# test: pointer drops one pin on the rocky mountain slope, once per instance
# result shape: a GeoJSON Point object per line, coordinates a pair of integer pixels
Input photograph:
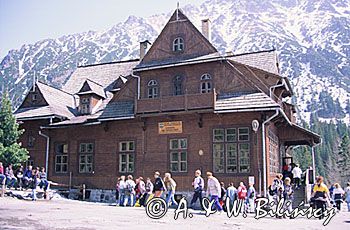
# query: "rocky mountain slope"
{"type": "Point", "coordinates": [312, 38]}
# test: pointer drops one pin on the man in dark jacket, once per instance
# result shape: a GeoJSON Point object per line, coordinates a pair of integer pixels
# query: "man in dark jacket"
{"type": "Point", "coordinates": [159, 186]}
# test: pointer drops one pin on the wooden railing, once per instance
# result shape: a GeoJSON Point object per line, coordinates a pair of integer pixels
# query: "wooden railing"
{"type": "Point", "coordinates": [177, 103]}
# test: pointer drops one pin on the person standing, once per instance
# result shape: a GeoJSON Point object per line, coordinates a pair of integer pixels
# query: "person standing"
{"type": "Point", "coordinates": [117, 191]}
{"type": "Point", "coordinates": [2, 175]}
{"type": "Point", "coordinates": [338, 194]}
{"type": "Point", "coordinates": [231, 193]}
{"type": "Point", "coordinates": [149, 190]}
{"type": "Point", "coordinates": [214, 190]}
{"type": "Point", "coordinates": [223, 194]}
{"type": "Point", "coordinates": [142, 191]}
{"type": "Point", "coordinates": [288, 195]}
{"type": "Point", "coordinates": [198, 185]}
{"type": "Point", "coordinates": [129, 191]}
{"type": "Point", "coordinates": [171, 186]}
{"type": "Point", "coordinates": [320, 194]}
{"type": "Point", "coordinates": [277, 188]}
{"type": "Point", "coordinates": [159, 185]}
{"type": "Point", "coordinates": [296, 176]}
{"type": "Point", "coordinates": [347, 196]}
{"type": "Point", "coordinates": [33, 183]}
{"type": "Point", "coordinates": [242, 195]}
{"type": "Point", "coordinates": [251, 195]}
{"type": "Point", "coordinates": [122, 188]}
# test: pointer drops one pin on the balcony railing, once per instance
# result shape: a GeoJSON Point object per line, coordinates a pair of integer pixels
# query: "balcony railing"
{"type": "Point", "coordinates": [177, 103]}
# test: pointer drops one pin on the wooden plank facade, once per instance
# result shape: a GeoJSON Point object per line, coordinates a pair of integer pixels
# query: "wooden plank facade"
{"type": "Point", "coordinates": [204, 103]}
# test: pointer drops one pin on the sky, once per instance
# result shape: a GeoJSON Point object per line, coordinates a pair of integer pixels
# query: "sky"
{"type": "Point", "coordinates": [28, 21]}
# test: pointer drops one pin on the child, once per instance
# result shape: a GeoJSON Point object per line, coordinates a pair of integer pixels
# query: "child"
{"type": "Point", "coordinates": [288, 194]}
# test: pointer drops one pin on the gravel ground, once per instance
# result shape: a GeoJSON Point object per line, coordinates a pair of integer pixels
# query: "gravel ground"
{"type": "Point", "coordinates": [68, 214]}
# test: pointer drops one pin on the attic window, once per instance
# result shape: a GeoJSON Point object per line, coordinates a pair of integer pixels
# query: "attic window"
{"type": "Point", "coordinates": [34, 97]}
{"type": "Point", "coordinates": [85, 105]}
{"type": "Point", "coordinates": [178, 44]}
{"type": "Point", "coordinates": [153, 89]}
{"type": "Point", "coordinates": [206, 83]}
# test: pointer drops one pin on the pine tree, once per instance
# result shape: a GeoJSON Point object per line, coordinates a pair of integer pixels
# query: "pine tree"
{"type": "Point", "coordinates": [10, 151]}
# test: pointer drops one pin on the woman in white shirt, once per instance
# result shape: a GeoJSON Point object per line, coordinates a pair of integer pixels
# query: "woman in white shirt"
{"type": "Point", "coordinates": [338, 194]}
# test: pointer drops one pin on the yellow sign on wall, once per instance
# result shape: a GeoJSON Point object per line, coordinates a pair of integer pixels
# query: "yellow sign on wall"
{"type": "Point", "coordinates": [170, 127]}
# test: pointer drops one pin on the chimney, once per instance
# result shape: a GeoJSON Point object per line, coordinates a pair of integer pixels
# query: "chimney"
{"type": "Point", "coordinates": [206, 29]}
{"type": "Point", "coordinates": [143, 48]}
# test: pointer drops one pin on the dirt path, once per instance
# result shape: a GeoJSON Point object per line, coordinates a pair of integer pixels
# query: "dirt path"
{"type": "Point", "coordinates": [67, 214]}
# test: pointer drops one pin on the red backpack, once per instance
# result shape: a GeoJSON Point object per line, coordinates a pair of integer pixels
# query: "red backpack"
{"type": "Point", "coordinates": [242, 194]}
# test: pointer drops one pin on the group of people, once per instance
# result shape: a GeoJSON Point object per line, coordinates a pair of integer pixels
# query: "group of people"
{"type": "Point", "coordinates": [321, 196]}
{"type": "Point", "coordinates": [130, 192]}
{"type": "Point", "coordinates": [138, 192]}
{"type": "Point", "coordinates": [294, 173]}
{"type": "Point", "coordinates": [21, 179]}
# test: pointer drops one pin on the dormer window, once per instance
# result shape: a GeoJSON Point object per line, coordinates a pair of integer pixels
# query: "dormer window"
{"type": "Point", "coordinates": [206, 83]}
{"type": "Point", "coordinates": [34, 98]}
{"type": "Point", "coordinates": [178, 44]}
{"type": "Point", "coordinates": [85, 105]}
{"type": "Point", "coordinates": [178, 85]}
{"type": "Point", "coordinates": [153, 89]}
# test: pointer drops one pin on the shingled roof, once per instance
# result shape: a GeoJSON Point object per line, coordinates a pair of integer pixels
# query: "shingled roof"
{"type": "Point", "coordinates": [60, 103]}
{"type": "Point", "coordinates": [103, 74]}
{"type": "Point", "coordinates": [244, 101]}
{"type": "Point", "coordinates": [92, 87]}
{"type": "Point", "coordinates": [264, 60]}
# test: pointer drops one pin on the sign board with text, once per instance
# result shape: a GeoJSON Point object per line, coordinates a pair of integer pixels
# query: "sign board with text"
{"type": "Point", "coordinates": [170, 127]}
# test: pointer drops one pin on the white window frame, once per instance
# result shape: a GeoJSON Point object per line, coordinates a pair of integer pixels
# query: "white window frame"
{"type": "Point", "coordinates": [180, 148]}
{"type": "Point", "coordinates": [59, 158]}
{"type": "Point", "coordinates": [178, 44]}
{"type": "Point", "coordinates": [86, 150]}
{"type": "Point", "coordinates": [129, 153]}
{"type": "Point", "coordinates": [153, 89]}
{"type": "Point", "coordinates": [221, 156]}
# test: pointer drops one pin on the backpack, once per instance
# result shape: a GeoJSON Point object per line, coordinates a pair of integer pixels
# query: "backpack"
{"type": "Point", "coordinates": [252, 195]}
{"type": "Point", "coordinates": [242, 194]}
{"type": "Point", "coordinates": [272, 191]}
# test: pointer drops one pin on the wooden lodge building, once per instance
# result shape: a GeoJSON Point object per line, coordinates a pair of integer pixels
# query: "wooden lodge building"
{"type": "Point", "coordinates": [182, 106]}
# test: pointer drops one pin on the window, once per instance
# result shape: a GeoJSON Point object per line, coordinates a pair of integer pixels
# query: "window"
{"type": "Point", "coordinates": [86, 151]}
{"type": "Point", "coordinates": [85, 105]}
{"type": "Point", "coordinates": [178, 155]}
{"type": "Point", "coordinates": [206, 83]}
{"type": "Point", "coordinates": [61, 158]}
{"type": "Point", "coordinates": [34, 98]}
{"type": "Point", "coordinates": [31, 140]}
{"type": "Point", "coordinates": [273, 153]}
{"type": "Point", "coordinates": [178, 44]}
{"type": "Point", "coordinates": [153, 89]}
{"type": "Point", "coordinates": [178, 85]}
{"type": "Point", "coordinates": [126, 156]}
{"type": "Point", "coordinates": [231, 151]}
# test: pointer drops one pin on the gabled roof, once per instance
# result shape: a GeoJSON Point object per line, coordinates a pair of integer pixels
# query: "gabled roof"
{"type": "Point", "coordinates": [178, 26]}
{"type": "Point", "coordinates": [103, 74]}
{"type": "Point", "coordinates": [60, 103]}
{"type": "Point", "coordinates": [244, 101]}
{"type": "Point", "coordinates": [92, 87]}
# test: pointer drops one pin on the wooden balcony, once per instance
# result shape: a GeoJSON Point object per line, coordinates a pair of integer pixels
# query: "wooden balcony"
{"type": "Point", "coordinates": [176, 103]}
